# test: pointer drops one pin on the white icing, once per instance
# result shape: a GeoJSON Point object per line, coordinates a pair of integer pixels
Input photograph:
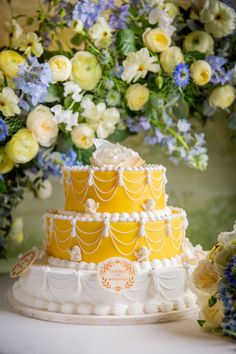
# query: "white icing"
{"type": "Point", "coordinates": [61, 293]}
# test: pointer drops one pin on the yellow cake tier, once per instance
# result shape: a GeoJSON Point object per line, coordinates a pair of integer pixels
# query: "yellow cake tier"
{"type": "Point", "coordinates": [102, 236]}
{"type": "Point", "coordinates": [115, 190]}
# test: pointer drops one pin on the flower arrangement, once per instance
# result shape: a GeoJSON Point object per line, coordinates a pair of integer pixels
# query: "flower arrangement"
{"type": "Point", "coordinates": [108, 69]}
{"type": "Point", "coordinates": [215, 281]}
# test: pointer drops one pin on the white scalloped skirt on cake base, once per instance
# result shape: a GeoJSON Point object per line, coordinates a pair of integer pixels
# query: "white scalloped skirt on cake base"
{"type": "Point", "coordinates": [161, 293]}
{"type": "Point", "coordinates": [109, 320]}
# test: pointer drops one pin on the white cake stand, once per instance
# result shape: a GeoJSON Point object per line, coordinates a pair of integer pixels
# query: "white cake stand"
{"type": "Point", "coordinates": [22, 309]}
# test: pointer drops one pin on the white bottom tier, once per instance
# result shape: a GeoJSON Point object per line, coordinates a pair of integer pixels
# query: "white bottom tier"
{"type": "Point", "coordinates": [61, 290]}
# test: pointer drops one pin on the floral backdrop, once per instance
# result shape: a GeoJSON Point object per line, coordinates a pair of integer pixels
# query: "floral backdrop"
{"type": "Point", "coordinates": [157, 68]}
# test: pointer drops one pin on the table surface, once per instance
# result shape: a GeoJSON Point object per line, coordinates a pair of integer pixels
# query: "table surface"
{"type": "Point", "coordinates": [22, 335]}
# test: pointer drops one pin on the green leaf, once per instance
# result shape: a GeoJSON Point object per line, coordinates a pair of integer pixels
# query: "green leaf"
{"type": "Point", "coordinates": [119, 135]}
{"type": "Point", "coordinates": [55, 90]}
{"type": "Point", "coordinates": [212, 301]}
{"type": "Point", "coordinates": [230, 332]}
{"type": "Point", "coordinates": [84, 155]}
{"type": "Point", "coordinates": [30, 20]}
{"type": "Point", "coordinates": [125, 41]}
{"type": "Point", "coordinates": [68, 101]}
{"type": "Point", "coordinates": [3, 187]}
{"type": "Point", "coordinates": [78, 39]}
{"type": "Point", "coordinates": [195, 55]}
{"type": "Point", "coordinates": [201, 322]}
{"type": "Point", "coordinates": [64, 143]}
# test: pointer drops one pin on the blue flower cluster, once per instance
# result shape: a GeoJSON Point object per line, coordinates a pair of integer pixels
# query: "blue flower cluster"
{"type": "Point", "coordinates": [3, 130]}
{"type": "Point", "coordinates": [33, 80]}
{"type": "Point", "coordinates": [219, 74]}
{"type": "Point", "coordinates": [138, 125]}
{"type": "Point", "coordinates": [229, 321]}
{"type": "Point", "coordinates": [88, 11]}
{"type": "Point", "coordinates": [118, 18]}
{"type": "Point", "coordinates": [230, 273]}
{"type": "Point", "coordinates": [52, 162]}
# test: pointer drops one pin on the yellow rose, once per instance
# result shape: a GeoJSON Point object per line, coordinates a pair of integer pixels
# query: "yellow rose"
{"type": "Point", "coordinates": [6, 165]}
{"type": "Point", "coordinates": [82, 136]}
{"type": "Point", "coordinates": [137, 95]}
{"type": "Point", "coordinates": [22, 147]}
{"type": "Point", "coordinates": [9, 62]}
{"type": "Point", "coordinates": [213, 315]}
{"type": "Point", "coordinates": [199, 41]}
{"type": "Point", "coordinates": [42, 124]}
{"type": "Point", "coordinates": [200, 72]}
{"type": "Point", "coordinates": [86, 71]}
{"type": "Point", "coordinates": [156, 40]}
{"type": "Point", "coordinates": [205, 277]}
{"type": "Point", "coordinates": [61, 68]}
{"type": "Point", "coordinates": [170, 58]}
{"type": "Point", "coordinates": [222, 97]}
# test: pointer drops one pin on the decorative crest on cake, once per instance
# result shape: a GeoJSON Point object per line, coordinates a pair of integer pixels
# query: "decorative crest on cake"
{"type": "Point", "coordinates": [90, 206]}
{"type": "Point", "coordinates": [24, 261]}
{"type": "Point", "coordinates": [149, 205]}
{"type": "Point", "coordinates": [142, 254]}
{"type": "Point", "coordinates": [75, 254]}
{"type": "Point", "coordinates": [116, 155]}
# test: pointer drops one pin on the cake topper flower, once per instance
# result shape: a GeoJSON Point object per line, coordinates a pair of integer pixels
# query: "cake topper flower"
{"type": "Point", "coordinates": [75, 254]}
{"type": "Point", "coordinates": [149, 204]}
{"type": "Point", "coordinates": [108, 154]}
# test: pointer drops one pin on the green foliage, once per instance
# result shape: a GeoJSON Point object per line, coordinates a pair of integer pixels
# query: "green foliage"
{"type": "Point", "coordinates": [78, 39]}
{"type": "Point", "coordinates": [125, 41]}
{"type": "Point", "coordinates": [201, 322]}
{"type": "Point", "coordinates": [119, 135]}
{"type": "Point", "coordinates": [212, 301]}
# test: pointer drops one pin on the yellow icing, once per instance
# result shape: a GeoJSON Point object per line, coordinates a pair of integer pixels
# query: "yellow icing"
{"type": "Point", "coordinates": [111, 196]}
{"type": "Point", "coordinates": [123, 241]}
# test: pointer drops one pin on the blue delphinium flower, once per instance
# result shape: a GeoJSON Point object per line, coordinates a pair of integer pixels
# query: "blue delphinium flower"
{"type": "Point", "coordinates": [181, 75]}
{"type": "Point", "coordinates": [138, 124]}
{"type": "Point", "coordinates": [118, 18]}
{"type": "Point", "coordinates": [228, 324]}
{"type": "Point", "coordinates": [88, 11]}
{"type": "Point", "coordinates": [183, 125]}
{"type": "Point", "coordinates": [3, 130]}
{"type": "Point", "coordinates": [33, 80]}
{"type": "Point", "coordinates": [219, 74]}
{"type": "Point", "coordinates": [52, 162]}
{"type": "Point", "coordinates": [230, 273]}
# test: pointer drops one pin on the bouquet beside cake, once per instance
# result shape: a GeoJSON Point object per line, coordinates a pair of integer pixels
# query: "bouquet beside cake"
{"type": "Point", "coordinates": [116, 253]}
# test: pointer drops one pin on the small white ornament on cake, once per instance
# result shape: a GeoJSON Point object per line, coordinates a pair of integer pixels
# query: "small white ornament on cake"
{"type": "Point", "coordinates": [149, 205]}
{"type": "Point", "coordinates": [115, 155]}
{"type": "Point", "coordinates": [142, 254]}
{"type": "Point", "coordinates": [90, 206]}
{"type": "Point", "coordinates": [75, 254]}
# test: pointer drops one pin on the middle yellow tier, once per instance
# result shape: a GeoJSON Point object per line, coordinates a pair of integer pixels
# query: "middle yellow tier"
{"type": "Point", "coordinates": [114, 190]}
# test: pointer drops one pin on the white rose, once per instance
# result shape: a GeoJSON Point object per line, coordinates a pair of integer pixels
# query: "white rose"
{"type": "Point", "coordinates": [43, 189]}
{"type": "Point", "coordinates": [61, 68]}
{"type": "Point", "coordinates": [213, 315]}
{"type": "Point", "coordinates": [82, 136]}
{"type": "Point", "coordinates": [115, 155]}
{"type": "Point", "coordinates": [43, 126]}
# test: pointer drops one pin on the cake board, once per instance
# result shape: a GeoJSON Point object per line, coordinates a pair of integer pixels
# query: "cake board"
{"type": "Point", "coordinates": [17, 306]}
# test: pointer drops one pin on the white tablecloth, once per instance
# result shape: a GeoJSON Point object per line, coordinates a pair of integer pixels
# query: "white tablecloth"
{"type": "Point", "coordinates": [22, 335]}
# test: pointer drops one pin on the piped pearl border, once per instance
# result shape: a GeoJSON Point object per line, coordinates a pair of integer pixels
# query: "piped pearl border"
{"type": "Point", "coordinates": [150, 167]}
{"type": "Point", "coordinates": [163, 214]}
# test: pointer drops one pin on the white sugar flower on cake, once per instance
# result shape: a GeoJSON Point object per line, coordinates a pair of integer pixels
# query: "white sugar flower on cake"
{"type": "Point", "coordinates": [108, 154]}
{"type": "Point", "coordinates": [142, 254]}
{"type": "Point", "coordinates": [75, 254]}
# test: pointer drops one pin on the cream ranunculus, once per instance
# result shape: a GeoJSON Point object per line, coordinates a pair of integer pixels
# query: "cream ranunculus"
{"type": "Point", "coordinates": [222, 97]}
{"type": "Point", "coordinates": [101, 33]}
{"type": "Point", "coordinates": [6, 164]}
{"type": "Point", "coordinates": [61, 68]}
{"type": "Point", "coordinates": [199, 41]}
{"type": "Point", "coordinates": [137, 95]}
{"type": "Point", "coordinates": [156, 40]}
{"type": "Point", "coordinates": [108, 154]}
{"type": "Point", "coordinates": [9, 102]}
{"type": "Point", "coordinates": [9, 62]}
{"type": "Point", "coordinates": [86, 70]}
{"type": "Point", "coordinates": [76, 26]}
{"type": "Point", "coordinates": [22, 147]}
{"type": "Point", "coordinates": [15, 31]}
{"type": "Point", "coordinates": [170, 57]}
{"type": "Point", "coordinates": [212, 315]}
{"type": "Point", "coordinates": [200, 72]}
{"type": "Point", "coordinates": [42, 124]}
{"type": "Point", "coordinates": [82, 136]}
{"type": "Point", "coordinates": [205, 277]}
{"type": "Point", "coordinates": [16, 233]}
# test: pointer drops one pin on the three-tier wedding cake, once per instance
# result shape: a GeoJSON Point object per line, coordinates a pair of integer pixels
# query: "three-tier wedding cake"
{"type": "Point", "coordinates": [116, 254]}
